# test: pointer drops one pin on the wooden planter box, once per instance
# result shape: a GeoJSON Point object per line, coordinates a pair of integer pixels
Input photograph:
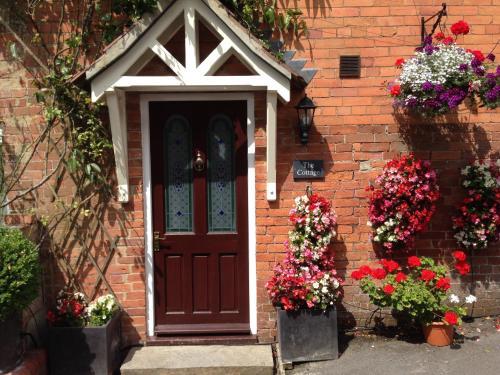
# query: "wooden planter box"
{"type": "Point", "coordinates": [10, 340]}
{"type": "Point", "coordinates": [85, 350]}
{"type": "Point", "coordinates": [308, 335]}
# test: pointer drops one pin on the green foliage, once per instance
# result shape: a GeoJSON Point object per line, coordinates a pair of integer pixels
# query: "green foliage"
{"type": "Point", "coordinates": [121, 14]}
{"type": "Point", "coordinates": [264, 18]}
{"type": "Point", "coordinates": [102, 310]}
{"type": "Point", "coordinates": [19, 271]}
{"type": "Point", "coordinates": [422, 300]}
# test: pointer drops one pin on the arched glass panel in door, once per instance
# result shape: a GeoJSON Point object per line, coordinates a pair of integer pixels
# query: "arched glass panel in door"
{"type": "Point", "coordinates": [178, 175]}
{"type": "Point", "coordinates": [221, 184]}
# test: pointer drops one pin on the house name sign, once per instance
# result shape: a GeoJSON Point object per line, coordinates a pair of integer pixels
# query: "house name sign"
{"type": "Point", "coordinates": [308, 169]}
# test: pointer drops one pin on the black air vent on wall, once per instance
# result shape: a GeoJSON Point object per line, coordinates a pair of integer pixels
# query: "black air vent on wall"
{"type": "Point", "coordinates": [350, 66]}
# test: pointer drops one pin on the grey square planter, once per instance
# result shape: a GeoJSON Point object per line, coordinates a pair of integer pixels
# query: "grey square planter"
{"type": "Point", "coordinates": [308, 335]}
{"type": "Point", "coordinates": [10, 342]}
{"type": "Point", "coordinates": [85, 350]}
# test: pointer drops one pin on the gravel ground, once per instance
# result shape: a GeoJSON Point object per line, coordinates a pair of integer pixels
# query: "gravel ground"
{"type": "Point", "coordinates": [476, 352]}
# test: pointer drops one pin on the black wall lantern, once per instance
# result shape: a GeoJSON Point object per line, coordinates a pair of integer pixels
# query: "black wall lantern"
{"type": "Point", "coordinates": [305, 112]}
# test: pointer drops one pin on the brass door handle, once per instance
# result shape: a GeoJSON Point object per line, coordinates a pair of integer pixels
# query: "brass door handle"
{"type": "Point", "coordinates": [199, 162]}
{"type": "Point", "coordinates": [156, 241]}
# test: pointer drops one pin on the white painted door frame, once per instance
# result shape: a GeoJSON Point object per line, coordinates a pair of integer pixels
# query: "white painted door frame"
{"type": "Point", "coordinates": [148, 200]}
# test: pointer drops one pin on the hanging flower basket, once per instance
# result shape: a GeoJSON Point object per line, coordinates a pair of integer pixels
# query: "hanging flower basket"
{"type": "Point", "coordinates": [402, 203]}
{"type": "Point", "coordinates": [441, 75]}
{"type": "Point", "coordinates": [477, 222]}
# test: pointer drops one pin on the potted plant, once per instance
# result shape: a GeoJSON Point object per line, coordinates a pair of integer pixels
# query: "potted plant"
{"type": "Point", "coordinates": [19, 282]}
{"type": "Point", "coordinates": [419, 290]}
{"type": "Point", "coordinates": [84, 338]}
{"type": "Point", "coordinates": [305, 286]}
{"type": "Point", "coordinates": [441, 75]}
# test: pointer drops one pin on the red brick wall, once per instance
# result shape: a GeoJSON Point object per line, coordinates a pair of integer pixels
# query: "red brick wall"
{"type": "Point", "coordinates": [355, 133]}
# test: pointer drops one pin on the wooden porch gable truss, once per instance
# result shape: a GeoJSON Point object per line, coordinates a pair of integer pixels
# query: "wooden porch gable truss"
{"type": "Point", "coordinates": [116, 72]}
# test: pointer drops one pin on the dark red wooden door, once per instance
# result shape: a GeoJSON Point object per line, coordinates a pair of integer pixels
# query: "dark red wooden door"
{"type": "Point", "coordinates": [200, 213]}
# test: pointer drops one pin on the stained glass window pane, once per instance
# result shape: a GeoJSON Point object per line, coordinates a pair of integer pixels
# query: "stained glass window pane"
{"type": "Point", "coordinates": [221, 186]}
{"type": "Point", "coordinates": [178, 175]}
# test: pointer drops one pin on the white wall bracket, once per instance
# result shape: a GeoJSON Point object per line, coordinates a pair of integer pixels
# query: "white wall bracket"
{"type": "Point", "coordinates": [118, 124]}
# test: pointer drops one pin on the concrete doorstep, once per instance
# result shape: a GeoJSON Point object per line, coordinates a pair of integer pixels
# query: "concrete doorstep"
{"type": "Point", "coordinates": [200, 360]}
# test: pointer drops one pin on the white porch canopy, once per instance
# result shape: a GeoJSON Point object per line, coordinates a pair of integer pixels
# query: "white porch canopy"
{"type": "Point", "coordinates": [115, 72]}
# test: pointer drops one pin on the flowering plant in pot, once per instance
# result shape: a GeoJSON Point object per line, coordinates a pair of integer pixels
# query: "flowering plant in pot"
{"type": "Point", "coordinates": [84, 337]}
{"type": "Point", "coordinates": [403, 202]}
{"type": "Point", "coordinates": [305, 286]}
{"type": "Point", "coordinates": [441, 74]}
{"type": "Point", "coordinates": [419, 290]}
{"type": "Point", "coordinates": [477, 222]}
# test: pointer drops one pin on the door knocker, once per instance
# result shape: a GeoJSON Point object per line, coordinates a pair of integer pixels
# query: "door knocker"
{"type": "Point", "coordinates": [199, 162]}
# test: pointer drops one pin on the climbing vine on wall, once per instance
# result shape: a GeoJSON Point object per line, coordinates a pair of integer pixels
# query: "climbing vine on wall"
{"type": "Point", "coordinates": [70, 142]}
{"type": "Point", "coordinates": [82, 140]}
{"type": "Point", "coordinates": [267, 20]}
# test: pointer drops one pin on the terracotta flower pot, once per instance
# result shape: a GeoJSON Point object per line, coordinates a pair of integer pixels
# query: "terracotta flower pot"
{"type": "Point", "coordinates": [438, 333]}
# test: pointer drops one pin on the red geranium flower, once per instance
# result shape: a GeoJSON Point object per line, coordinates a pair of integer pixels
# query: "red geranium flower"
{"type": "Point", "coordinates": [451, 318]}
{"type": "Point", "coordinates": [379, 273]}
{"type": "Point", "coordinates": [462, 267]}
{"type": "Point", "coordinates": [51, 317]}
{"type": "Point", "coordinates": [389, 265]}
{"type": "Point", "coordinates": [357, 275]}
{"type": "Point", "coordinates": [443, 283]}
{"type": "Point", "coordinates": [478, 55]}
{"type": "Point", "coordinates": [459, 255]}
{"type": "Point", "coordinates": [448, 40]}
{"type": "Point", "coordinates": [439, 36]}
{"type": "Point", "coordinates": [400, 277]}
{"type": "Point", "coordinates": [365, 270]}
{"type": "Point", "coordinates": [395, 90]}
{"type": "Point", "coordinates": [399, 62]}
{"type": "Point", "coordinates": [427, 275]}
{"type": "Point", "coordinates": [414, 261]}
{"type": "Point", "coordinates": [389, 289]}
{"type": "Point", "coordinates": [460, 28]}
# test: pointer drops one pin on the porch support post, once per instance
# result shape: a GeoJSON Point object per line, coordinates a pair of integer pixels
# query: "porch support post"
{"type": "Point", "coordinates": [272, 103]}
{"type": "Point", "coordinates": [118, 123]}
{"type": "Point", "coordinates": [191, 37]}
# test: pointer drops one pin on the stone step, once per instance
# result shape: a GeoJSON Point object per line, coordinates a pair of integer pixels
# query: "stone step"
{"type": "Point", "coordinates": [200, 360]}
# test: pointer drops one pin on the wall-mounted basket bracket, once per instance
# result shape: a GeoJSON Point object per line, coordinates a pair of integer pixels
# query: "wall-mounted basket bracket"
{"type": "Point", "coordinates": [423, 21]}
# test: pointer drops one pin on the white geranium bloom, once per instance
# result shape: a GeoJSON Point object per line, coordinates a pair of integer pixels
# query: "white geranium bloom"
{"type": "Point", "coordinates": [324, 290]}
{"type": "Point", "coordinates": [336, 283]}
{"type": "Point", "coordinates": [454, 298]}
{"type": "Point", "coordinates": [470, 299]}
{"type": "Point", "coordinates": [315, 285]}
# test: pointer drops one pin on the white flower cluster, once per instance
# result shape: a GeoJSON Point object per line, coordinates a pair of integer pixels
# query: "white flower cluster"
{"type": "Point", "coordinates": [436, 68]}
{"type": "Point", "coordinates": [481, 173]}
{"type": "Point", "coordinates": [325, 289]}
{"type": "Point", "coordinates": [385, 232]}
{"type": "Point", "coordinates": [469, 299]}
{"type": "Point", "coordinates": [102, 309]}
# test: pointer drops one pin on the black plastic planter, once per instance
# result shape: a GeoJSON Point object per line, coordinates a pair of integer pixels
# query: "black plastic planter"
{"type": "Point", "coordinates": [10, 338]}
{"type": "Point", "coordinates": [308, 335]}
{"type": "Point", "coordinates": [87, 350]}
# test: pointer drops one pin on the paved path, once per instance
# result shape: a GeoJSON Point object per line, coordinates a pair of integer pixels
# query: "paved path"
{"type": "Point", "coordinates": [479, 354]}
